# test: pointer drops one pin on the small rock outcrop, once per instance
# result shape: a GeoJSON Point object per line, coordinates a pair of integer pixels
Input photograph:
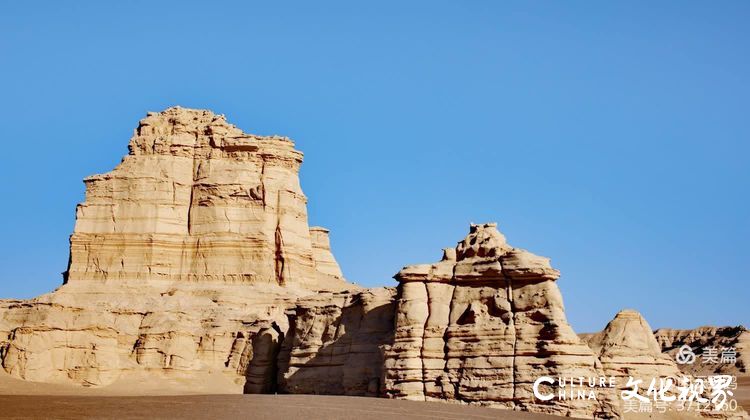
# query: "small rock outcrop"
{"type": "Point", "coordinates": [627, 347]}
{"type": "Point", "coordinates": [325, 263]}
{"type": "Point", "coordinates": [720, 350]}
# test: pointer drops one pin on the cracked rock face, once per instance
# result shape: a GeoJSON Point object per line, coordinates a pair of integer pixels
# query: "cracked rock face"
{"type": "Point", "coordinates": [481, 325]}
{"type": "Point", "coordinates": [198, 200]}
{"type": "Point", "coordinates": [334, 343]}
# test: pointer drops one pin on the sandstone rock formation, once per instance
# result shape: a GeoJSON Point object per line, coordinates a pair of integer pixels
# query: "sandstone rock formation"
{"type": "Point", "coordinates": [184, 260]}
{"type": "Point", "coordinates": [726, 341]}
{"type": "Point", "coordinates": [193, 258]}
{"type": "Point", "coordinates": [481, 325]}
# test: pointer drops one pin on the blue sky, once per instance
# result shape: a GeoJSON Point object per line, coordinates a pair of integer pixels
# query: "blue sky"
{"type": "Point", "coordinates": [612, 137]}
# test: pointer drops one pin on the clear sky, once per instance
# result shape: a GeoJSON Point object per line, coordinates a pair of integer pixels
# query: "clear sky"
{"type": "Point", "coordinates": [610, 136]}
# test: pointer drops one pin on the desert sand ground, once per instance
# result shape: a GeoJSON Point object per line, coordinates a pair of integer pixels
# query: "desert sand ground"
{"type": "Point", "coordinates": [137, 397]}
{"type": "Point", "coordinates": [20, 399]}
{"type": "Point", "coordinates": [742, 394]}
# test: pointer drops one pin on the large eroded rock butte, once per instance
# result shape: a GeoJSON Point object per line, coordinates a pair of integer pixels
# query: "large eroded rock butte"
{"type": "Point", "coordinates": [193, 259]}
{"type": "Point", "coordinates": [184, 260]}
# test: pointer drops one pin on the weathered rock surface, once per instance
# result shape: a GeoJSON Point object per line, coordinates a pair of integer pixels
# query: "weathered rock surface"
{"type": "Point", "coordinates": [334, 344]}
{"type": "Point", "coordinates": [96, 335]}
{"type": "Point", "coordinates": [726, 341]}
{"type": "Point", "coordinates": [481, 325]}
{"type": "Point", "coordinates": [196, 199]}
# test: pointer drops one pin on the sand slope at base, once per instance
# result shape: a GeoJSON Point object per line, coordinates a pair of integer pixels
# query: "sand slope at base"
{"type": "Point", "coordinates": [134, 384]}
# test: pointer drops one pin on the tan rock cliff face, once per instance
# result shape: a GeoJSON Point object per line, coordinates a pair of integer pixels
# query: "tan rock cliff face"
{"type": "Point", "coordinates": [196, 199]}
{"type": "Point", "coordinates": [95, 336]}
{"type": "Point", "coordinates": [481, 326]}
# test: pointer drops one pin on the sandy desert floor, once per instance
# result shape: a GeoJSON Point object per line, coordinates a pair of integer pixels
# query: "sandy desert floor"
{"type": "Point", "coordinates": [19, 399]}
{"type": "Point", "coordinates": [742, 394]}
{"type": "Point", "coordinates": [130, 399]}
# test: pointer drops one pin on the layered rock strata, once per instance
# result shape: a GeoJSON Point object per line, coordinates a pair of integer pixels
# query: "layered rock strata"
{"type": "Point", "coordinates": [197, 200]}
{"type": "Point", "coordinates": [481, 325]}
